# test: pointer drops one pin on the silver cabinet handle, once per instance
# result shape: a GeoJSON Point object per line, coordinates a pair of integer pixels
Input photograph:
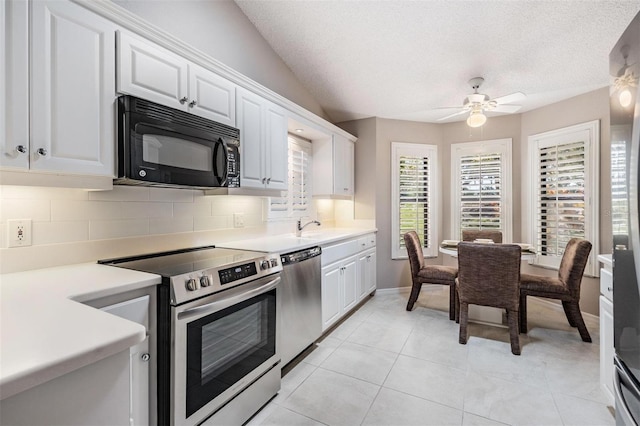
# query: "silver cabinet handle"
{"type": "Point", "coordinates": [21, 149]}
{"type": "Point", "coordinates": [145, 357]}
{"type": "Point", "coordinates": [268, 180]}
{"type": "Point", "coordinates": [41, 151]}
{"type": "Point", "coordinates": [183, 100]}
{"type": "Point", "coordinates": [192, 104]}
{"type": "Point", "coordinates": [264, 180]}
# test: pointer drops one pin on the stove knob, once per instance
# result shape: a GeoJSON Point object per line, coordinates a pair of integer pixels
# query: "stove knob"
{"type": "Point", "coordinates": [264, 264]}
{"type": "Point", "coordinates": [274, 262]}
{"type": "Point", "coordinates": [204, 281]}
{"type": "Point", "coordinates": [191, 284]}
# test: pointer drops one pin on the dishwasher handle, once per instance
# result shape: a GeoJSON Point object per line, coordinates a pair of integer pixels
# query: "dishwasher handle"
{"type": "Point", "coordinates": [300, 256]}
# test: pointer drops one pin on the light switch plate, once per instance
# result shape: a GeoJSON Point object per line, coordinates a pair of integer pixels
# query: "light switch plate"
{"type": "Point", "coordinates": [238, 220]}
{"type": "Point", "coordinates": [19, 232]}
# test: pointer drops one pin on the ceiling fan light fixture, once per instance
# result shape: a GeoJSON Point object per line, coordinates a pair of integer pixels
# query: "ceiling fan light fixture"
{"type": "Point", "coordinates": [625, 98]}
{"type": "Point", "coordinates": [476, 119]}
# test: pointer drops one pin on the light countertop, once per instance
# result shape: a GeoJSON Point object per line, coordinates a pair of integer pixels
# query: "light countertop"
{"type": "Point", "coordinates": [605, 259]}
{"type": "Point", "coordinates": [45, 332]}
{"type": "Point", "coordinates": [287, 243]}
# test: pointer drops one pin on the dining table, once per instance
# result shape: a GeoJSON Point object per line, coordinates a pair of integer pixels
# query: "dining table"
{"type": "Point", "coordinates": [450, 248]}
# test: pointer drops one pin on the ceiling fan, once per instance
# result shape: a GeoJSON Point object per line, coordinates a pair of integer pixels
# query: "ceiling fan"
{"type": "Point", "coordinates": [477, 103]}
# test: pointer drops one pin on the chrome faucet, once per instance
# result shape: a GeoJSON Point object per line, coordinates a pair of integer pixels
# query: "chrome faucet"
{"type": "Point", "coordinates": [300, 227]}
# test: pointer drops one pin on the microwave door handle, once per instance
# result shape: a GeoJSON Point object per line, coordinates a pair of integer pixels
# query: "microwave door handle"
{"type": "Point", "coordinates": [221, 177]}
{"type": "Point", "coordinates": [212, 307]}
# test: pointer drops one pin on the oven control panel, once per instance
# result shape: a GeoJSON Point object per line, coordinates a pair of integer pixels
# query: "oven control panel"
{"type": "Point", "coordinates": [238, 272]}
{"type": "Point", "coordinates": [193, 285]}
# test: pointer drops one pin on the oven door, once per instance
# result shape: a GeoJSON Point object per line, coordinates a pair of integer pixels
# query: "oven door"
{"type": "Point", "coordinates": [221, 345]}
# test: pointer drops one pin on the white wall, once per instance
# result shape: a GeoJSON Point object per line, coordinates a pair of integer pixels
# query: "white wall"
{"type": "Point", "coordinates": [220, 29]}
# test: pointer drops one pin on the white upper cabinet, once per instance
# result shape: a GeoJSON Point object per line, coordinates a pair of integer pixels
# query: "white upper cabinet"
{"type": "Point", "coordinates": [14, 84]}
{"type": "Point", "coordinates": [263, 142]}
{"type": "Point", "coordinates": [71, 93]}
{"type": "Point", "coordinates": [154, 73]}
{"type": "Point", "coordinates": [333, 161]}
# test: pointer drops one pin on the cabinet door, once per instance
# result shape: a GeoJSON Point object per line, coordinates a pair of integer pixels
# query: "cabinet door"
{"type": "Point", "coordinates": [350, 283]}
{"type": "Point", "coordinates": [276, 148]}
{"type": "Point", "coordinates": [606, 348]}
{"type": "Point", "coordinates": [211, 96]}
{"type": "Point", "coordinates": [362, 275]}
{"type": "Point", "coordinates": [343, 156]}
{"type": "Point", "coordinates": [249, 118]}
{"type": "Point", "coordinates": [72, 89]}
{"type": "Point", "coordinates": [151, 72]}
{"type": "Point", "coordinates": [371, 272]}
{"type": "Point", "coordinates": [331, 301]}
{"type": "Point", "coordinates": [14, 84]}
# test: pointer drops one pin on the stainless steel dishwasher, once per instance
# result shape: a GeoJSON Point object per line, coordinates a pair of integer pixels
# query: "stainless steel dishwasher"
{"type": "Point", "coordinates": [301, 319]}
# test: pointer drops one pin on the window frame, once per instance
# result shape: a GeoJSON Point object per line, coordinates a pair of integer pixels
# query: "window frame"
{"type": "Point", "coordinates": [464, 149]}
{"type": "Point", "coordinates": [588, 132]}
{"type": "Point", "coordinates": [430, 151]}
{"type": "Point", "coordinates": [289, 212]}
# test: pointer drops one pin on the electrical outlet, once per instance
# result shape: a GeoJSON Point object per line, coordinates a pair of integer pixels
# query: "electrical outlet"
{"type": "Point", "coordinates": [238, 220]}
{"type": "Point", "coordinates": [19, 232]}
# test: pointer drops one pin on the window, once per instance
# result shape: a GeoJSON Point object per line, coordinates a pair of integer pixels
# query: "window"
{"type": "Point", "coordinates": [564, 191]}
{"type": "Point", "coordinates": [620, 137]}
{"type": "Point", "coordinates": [296, 201]}
{"type": "Point", "coordinates": [413, 178]}
{"type": "Point", "coordinates": [481, 193]}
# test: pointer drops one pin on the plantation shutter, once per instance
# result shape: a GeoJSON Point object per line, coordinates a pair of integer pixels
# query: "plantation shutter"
{"type": "Point", "coordinates": [619, 190]}
{"type": "Point", "coordinates": [296, 200]}
{"type": "Point", "coordinates": [560, 196]}
{"type": "Point", "coordinates": [481, 192]}
{"type": "Point", "coordinates": [414, 198]}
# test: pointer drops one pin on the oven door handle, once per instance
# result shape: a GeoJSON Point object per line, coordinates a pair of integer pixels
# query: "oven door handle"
{"type": "Point", "coordinates": [218, 305]}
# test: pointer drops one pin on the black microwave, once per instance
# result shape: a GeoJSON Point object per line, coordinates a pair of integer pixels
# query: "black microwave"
{"type": "Point", "coordinates": [162, 146]}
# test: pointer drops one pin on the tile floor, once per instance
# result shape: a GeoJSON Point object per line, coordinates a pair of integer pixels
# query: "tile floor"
{"type": "Point", "coordinates": [385, 366]}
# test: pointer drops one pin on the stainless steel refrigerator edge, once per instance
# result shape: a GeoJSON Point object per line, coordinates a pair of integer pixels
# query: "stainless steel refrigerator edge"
{"type": "Point", "coordinates": [625, 156]}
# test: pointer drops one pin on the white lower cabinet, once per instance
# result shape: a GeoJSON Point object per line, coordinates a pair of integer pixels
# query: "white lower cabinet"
{"type": "Point", "coordinates": [366, 273]}
{"type": "Point", "coordinates": [606, 348]}
{"type": "Point", "coordinates": [348, 276]}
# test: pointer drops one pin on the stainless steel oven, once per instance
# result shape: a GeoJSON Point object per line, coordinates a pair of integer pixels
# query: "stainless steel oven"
{"type": "Point", "coordinates": [218, 325]}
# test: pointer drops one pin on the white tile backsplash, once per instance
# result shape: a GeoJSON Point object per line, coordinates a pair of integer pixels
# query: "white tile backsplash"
{"type": "Point", "coordinates": [98, 220]}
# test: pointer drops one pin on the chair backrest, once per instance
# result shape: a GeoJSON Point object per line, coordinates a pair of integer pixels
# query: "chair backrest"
{"type": "Point", "coordinates": [475, 234]}
{"type": "Point", "coordinates": [414, 251]}
{"type": "Point", "coordinates": [489, 274]}
{"type": "Point", "coordinates": [574, 260]}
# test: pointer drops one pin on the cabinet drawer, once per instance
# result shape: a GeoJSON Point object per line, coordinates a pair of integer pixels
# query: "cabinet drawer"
{"type": "Point", "coordinates": [339, 251]}
{"type": "Point", "coordinates": [606, 284]}
{"type": "Point", "coordinates": [367, 242]}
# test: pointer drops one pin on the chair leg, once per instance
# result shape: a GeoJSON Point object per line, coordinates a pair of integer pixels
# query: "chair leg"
{"type": "Point", "coordinates": [567, 312]}
{"type": "Point", "coordinates": [415, 291]}
{"type": "Point", "coordinates": [576, 316]}
{"type": "Point", "coordinates": [523, 313]}
{"type": "Point", "coordinates": [514, 335]}
{"type": "Point", "coordinates": [457, 303]}
{"type": "Point", "coordinates": [464, 317]}
{"type": "Point", "coordinates": [452, 302]}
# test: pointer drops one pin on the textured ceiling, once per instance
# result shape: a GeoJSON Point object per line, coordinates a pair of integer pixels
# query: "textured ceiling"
{"type": "Point", "coordinates": [402, 59]}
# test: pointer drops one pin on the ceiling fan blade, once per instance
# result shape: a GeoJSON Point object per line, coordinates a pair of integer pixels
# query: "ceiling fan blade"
{"type": "Point", "coordinates": [506, 108]}
{"type": "Point", "coordinates": [508, 99]}
{"type": "Point", "coordinates": [452, 115]}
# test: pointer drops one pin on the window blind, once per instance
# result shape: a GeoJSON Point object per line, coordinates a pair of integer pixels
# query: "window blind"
{"type": "Point", "coordinates": [560, 208]}
{"type": "Point", "coordinates": [414, 198]}
{"type": "Point", "coordinates": [296, 200]}
{"type": "Point", "coordinates": [481, 192]}
{"type": "Point", "coordinates": [619, 190]}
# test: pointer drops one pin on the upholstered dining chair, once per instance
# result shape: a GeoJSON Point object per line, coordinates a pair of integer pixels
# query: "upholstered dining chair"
{"type": "Point", "coordinates": [489, 275]}
{"type": "Point", "coordinates": [428, 274]}
{"type": "Point", "coordinates": [475, 234]}
{"type": "Point", "coordinates": [565, 287]}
